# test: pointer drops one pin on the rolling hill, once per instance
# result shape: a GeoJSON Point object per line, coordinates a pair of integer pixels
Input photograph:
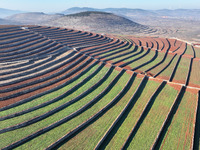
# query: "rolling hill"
{"type": "Point", "coordinates": [98, 21]}
{"type": "Point", "coordinates": [70, 89]}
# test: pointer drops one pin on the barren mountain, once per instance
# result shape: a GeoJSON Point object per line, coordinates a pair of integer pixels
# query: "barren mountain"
{"type": "Point", "coordinates": [33, 17]}
{"type": "Point", "coordinates": [98, 22]}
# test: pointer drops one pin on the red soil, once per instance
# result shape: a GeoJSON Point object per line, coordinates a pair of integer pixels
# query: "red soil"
{"type": "Point", "coordinates": [118, 68]}
{"type": "Point", "coordinates": [127, 67]}
{"type": "Point", "coordinates": [195, 91]}
{"type": "Point", "coordinates": [156, 80]}
{"type": "Point", "coordinates": [194, 85]}
{"type": "Point", "coordinates": [196, 59]}
{"type": "Point", "coordinates": [188, 56]}
{"type": "Point", "coordinates": [87, 48]}
{"type": "Point", "coordinates": [108, 65]}
{"type": "Point", "coordinates": [16, 99]}
{"type": "Point", "coordinates": [140, 75]}
{"type": "Point", "coordinates": [33, 79]}
{"type": "Point", "coordinates": [175, 86]}
{"type": "Point", "coordinates": [163, 77]}
{"type": "Point", "coordinates": [95, 53]}
{"type": "Point", "coordinates": [179, 81]}
{"type": "Point", "coordinates": [129, 72]}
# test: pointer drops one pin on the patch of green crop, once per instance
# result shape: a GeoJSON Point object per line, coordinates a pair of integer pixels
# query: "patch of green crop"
{"type": "Point", "coordinates": [195, 73]}
{"type": "Point", "coordinates": [106, 53]}
{"type": "Point", "coordinates": [197, 51]}
{"type": "Point", "coordinates": [153, 63]}
{"type": "Point", "coordinates": [25, 117]}
{"type": "Point", "coordinates": [168, 71]}
{"type": "Point", "coordinates": [46, 97]}
{"type": "Point", "coordinates": [46, 139]}
{"type": "Point", "coordinates": [161, 66]}
{"type": "Point", "coordinates": [189, 50]}
{"type": "Point", "coordinates": [8, 138]}
{"type": "Point", "coordinates": [153, 121]}
{"type": "Point", "coordinates": [143, 60]}
{"type": "Point", "coordinates": [96, 130]}
{"type": "Point", "coordinates": [182, 69]}
{"type": "Point", "coordinates": [181, 130]}
{"type": "Point", "coordinates": [129, 122]}
{"type": "Point", "coordinates": [123, 57]}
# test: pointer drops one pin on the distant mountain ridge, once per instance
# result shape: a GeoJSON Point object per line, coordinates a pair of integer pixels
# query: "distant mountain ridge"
{"type": "Point", "coordinates": [7, 12]}
{"type": "Point", "coordinates": [192, 14]}
{"type": "Point", "coordinates": [178, 23]}
{"type": "Point", "coordinates": [33, 17]}
{"type": "Point", "coordinates": [128, 12]}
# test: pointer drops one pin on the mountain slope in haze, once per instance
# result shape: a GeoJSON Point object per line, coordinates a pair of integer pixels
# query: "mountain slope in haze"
{"type": "Point", "coordinates": [7, 12]}
{"type": "Point", "coordinates": [98, 22]}
{"type": "Point", "coordinates": [137, 13]}
{"type": "Point", "coordinates": [111, 10]}
{"type": "Point", "coordinates": [178, 23]}
{"type": "Point", "coordinates": [74, 10]}
{"type": "Point", "coordinates": [33, 17]}
{"type": "Point", "coordinates": [8, 22]}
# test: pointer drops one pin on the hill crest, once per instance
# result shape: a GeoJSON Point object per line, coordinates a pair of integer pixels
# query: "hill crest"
{"type": "Point", "coordinates": [97, 21]}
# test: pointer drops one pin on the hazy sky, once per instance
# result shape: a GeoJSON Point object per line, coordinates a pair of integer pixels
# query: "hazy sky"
{"type": "Point", "coordinates": [61, 5]}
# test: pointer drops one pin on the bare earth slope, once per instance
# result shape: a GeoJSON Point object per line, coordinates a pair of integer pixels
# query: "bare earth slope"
{"type": "Point", "coordinates": [98, 22]}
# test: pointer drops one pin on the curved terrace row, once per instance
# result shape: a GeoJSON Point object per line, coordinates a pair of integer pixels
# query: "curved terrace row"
{"type": "Point", "coordinates": [95, 92]}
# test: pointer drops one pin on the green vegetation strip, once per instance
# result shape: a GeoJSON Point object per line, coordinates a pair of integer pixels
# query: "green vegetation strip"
{"type": "Point", "coordinates": [59, 94]}
{"type": "Point", "coordinates": [25, 104]}
{"type": "Point", "coordinates": [108, 50]}
{"type": "Point", "coordinates": [122, 133]}
{"type": "Point", "coordinates": [135, 59]}
{"type": "Point", "coordinates": [98, 50]}
{"type": "Point", "coordinates": [153, 120]}
{"type": "Point", "coordinates": [115, 51]}
{"type": "Point", "coordinates": [143, 60]}
{"type": "Point", "coordinates": [127, 50]}
{"type": "Point", "coordinates": [161, 66]}
{"type": "Point", "coordinates": [181, 130]}
{"type": "Point", "coordinates": [120, 116]}
{"type": "Point", "coordinates": [61, 130]}
{"type": "Point", "coordinates": [8, 137]}
{"type": "Point", "coordinates": [197, 51]}
{"type": "Point", "coordinates": [88, 49]}
{"type": "Point", "coordinates": [195, 74]}
{"type": "Point", "coordinates": [168, 71]}
{"type": "Point", "coordinates": [189, 50]}
{"type": "Point", "coordinates": [119, 53]}
{"type": "Point", "coordinates": [56, 105]}
{"type": "Point", "coordinates": [129, 56]}
{"type": "Point", "coordinates": [95, 130]}
{"type": "Point", "coordinates": [182, 70]}
{"type": "Point", "coordinates": [153, 63]}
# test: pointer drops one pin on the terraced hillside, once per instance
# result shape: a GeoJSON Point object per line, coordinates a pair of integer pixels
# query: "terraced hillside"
{"type": "Point", "coordinates": [68, 89]}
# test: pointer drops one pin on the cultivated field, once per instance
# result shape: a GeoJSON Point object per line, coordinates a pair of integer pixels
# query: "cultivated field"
{"type": "Point", "coordinates": [67, 89]}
